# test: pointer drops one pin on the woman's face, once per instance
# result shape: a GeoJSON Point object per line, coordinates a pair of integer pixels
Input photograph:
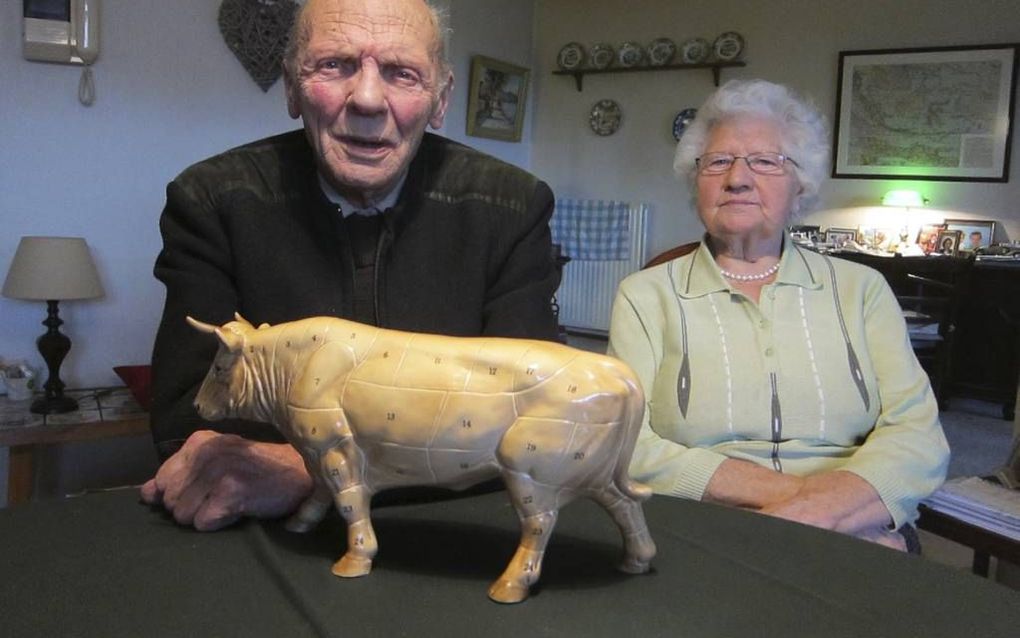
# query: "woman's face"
{"type": "Point", "coordinates": [742, 204]}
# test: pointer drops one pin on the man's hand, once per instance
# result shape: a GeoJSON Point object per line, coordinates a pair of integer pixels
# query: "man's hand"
{"type": "Point", "coordinates": [215, 479]}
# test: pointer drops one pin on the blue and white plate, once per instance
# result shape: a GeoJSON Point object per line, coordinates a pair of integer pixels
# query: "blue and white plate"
{"type": "Point", "coordinates": [605, 117]}
{"type": "Point", "coordinates": [631, 54]}
{"type": "Point", "coordinates": [571, 57]}
{"type": "Point", "coordinates": [601, 56]}
{"type": "Point", "coordinates": [661, 51]}
{"type": "Point", "coordinates": [695, 51]}
{"type": "Point", "coordinates": [728, 46]}
{"type": "Point", "coordinates": [682, 121]}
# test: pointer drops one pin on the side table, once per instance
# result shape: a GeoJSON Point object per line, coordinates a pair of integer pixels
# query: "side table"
{"type": "Point", "coordinates": [103, 413]}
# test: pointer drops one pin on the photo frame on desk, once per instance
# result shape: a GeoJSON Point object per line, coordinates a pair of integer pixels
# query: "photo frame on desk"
{"type": "Point", "coordinates": [497, 100]}
{"type": "Point", "coordinates": [977, 233]}
{"type": "Point", "coordinates": [948, 242]}
{"type": "Point", "coordinates": [937, 113]}
{"type": "Point", "coordinates": [928, 237]}
{"type": "Point", "coordinates": [839, 236]}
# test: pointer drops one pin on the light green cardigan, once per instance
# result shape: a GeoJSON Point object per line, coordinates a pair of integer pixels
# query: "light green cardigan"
{"type": "Point", "coordinates": [818, 376]}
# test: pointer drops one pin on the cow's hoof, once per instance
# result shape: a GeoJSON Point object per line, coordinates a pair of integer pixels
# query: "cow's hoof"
{"type": "Point", "coordinates": [508, 592]}
{"type": "Point", "coordinates": [634, 566]}
{"type": "Point", "coordinates": [352, 566]}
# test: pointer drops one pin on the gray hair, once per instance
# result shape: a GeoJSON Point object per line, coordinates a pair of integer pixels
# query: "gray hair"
{"type": "Point", "coordinates": [300, 32]}
{"type": "Point", "coordinates": [804, 131]}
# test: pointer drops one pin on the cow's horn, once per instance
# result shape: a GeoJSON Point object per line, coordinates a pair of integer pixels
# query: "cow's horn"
{"type": "Point", "coordinates": [201, 326]}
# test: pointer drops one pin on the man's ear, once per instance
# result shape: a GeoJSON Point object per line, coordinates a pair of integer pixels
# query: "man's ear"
{"type": "Point", "coordinates": [442, 103]}
{"type": "Point", "coordinates": [292, 90]}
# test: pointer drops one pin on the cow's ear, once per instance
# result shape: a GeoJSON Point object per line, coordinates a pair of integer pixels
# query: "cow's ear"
{"type": "Point", "coordinates": [232, 341]}
{"type": "Point", "coordinates": [241, 320]}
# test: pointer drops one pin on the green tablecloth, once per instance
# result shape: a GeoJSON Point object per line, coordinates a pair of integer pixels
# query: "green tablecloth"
{"type": "Point", "coordinates": [105, 565]}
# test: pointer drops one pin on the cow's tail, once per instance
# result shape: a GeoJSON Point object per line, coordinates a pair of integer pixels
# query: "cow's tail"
{"type": "Point", "coordinates": [633, 415]}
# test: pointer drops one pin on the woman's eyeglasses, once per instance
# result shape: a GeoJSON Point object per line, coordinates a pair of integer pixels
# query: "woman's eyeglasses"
{"type": "Point", "coordinates": [761, 163]}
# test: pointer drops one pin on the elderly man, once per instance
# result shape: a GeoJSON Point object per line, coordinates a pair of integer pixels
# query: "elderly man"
{"type": "Point", "coordinates": [361, 215]}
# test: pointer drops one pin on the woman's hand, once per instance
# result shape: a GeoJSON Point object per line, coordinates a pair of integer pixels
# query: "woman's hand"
{"type": "Point", "coordinates": [840, 501]}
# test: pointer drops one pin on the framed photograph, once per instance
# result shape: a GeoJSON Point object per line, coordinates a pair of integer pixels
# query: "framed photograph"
{"type": "Point", "coordinates": [878, 238]}
{"type": "Point", "coordinates": [941, 113]}
{"type": "Point", "coordinates": [976, 233]}
{"type": "Point", "coordinates": [928, 237]}
{"type": "Point", "coordinates": [839, 236]}
{"type": "Point", "coordinates": [948, 242]}
{"type": "Point", "coordinates": [497, 99]}
{"type": "Point", "coordinates": [806, 232]}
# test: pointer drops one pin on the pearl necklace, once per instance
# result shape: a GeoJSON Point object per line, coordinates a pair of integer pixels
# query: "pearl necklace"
{"type": "Point", "coordinates": [762, 275]}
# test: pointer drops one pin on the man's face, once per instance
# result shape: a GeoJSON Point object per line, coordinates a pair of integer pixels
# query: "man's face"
{"type": "Point", "coordinates": [367, 83]}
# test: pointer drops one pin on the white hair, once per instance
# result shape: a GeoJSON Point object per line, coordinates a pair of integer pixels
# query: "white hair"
{"type": "Point", "coordinates": [803, 130]}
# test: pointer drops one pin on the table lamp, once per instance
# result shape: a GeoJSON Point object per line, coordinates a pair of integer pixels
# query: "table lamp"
{"type": "Point", "coordinates": [51, 269]}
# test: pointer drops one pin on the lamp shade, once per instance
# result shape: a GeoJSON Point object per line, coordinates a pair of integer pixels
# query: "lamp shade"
{"type": "Point", "coordinates": [52, 268]}
{"type": "Point", "coordinates": [903, 198]}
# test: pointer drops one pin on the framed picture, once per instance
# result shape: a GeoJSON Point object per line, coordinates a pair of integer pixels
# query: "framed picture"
{"type": "Point", "coordinates": [496, 102]}
{"type": "Point", "coordinates": [805, 232]}
{"type": "Point", "coordinates": [928, 237]}
{"type": "Point", "coordinates": [934, 114]}
{"type": "Point", "coordinates": [839, 236]}
{"type": "Point", "coordinates": [976, 233]}
{"type": "Point", "coordinates": [948, 242]}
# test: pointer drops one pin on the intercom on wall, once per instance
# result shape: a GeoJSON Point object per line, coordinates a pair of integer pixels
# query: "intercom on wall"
{"type": "Point", "coordinates": [63, 31]}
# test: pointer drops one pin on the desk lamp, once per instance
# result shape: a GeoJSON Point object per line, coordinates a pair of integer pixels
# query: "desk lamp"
{"type": "Point", "coordinates": [903, 199]}
{"type": "Point", "coordinates": [50, 269]}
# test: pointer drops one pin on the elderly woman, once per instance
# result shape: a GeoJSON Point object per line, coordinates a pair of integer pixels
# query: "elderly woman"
{"type": "Point", "coordinates": [778, 379]}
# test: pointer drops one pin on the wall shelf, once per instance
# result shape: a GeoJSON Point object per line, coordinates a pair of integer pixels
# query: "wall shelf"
{"type": "Point", "coordinates": [715, 67]}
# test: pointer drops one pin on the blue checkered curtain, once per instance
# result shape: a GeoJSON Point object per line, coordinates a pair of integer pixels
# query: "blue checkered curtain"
{"type": "Point", "coordinates": [592, 230]}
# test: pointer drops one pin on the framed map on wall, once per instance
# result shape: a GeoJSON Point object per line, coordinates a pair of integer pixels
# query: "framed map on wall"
{"type": "Point", "coordinates": [934, 114]}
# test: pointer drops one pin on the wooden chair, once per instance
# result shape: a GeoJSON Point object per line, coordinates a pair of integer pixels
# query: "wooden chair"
{"type": "Point", "coordinates": [671, 254]}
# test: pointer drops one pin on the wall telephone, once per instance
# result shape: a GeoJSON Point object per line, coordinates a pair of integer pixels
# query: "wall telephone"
{"type": "Point", "coordinates": [64, 32]}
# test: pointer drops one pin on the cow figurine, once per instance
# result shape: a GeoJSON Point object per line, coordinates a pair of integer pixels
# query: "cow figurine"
{"type": "Point", "coordinates": [371, 409]}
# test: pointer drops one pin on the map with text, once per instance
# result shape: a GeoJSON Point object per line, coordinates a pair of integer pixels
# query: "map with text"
{"type": "Point", "coordinates": [939, 115]}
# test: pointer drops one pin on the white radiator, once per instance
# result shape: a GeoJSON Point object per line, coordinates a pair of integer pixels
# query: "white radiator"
{"type": "Point", "coordinates": [586, 292]}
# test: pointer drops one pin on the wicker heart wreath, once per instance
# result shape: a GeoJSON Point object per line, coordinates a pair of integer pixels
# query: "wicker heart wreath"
{"type": "Point", "coordinates": [256, 31]}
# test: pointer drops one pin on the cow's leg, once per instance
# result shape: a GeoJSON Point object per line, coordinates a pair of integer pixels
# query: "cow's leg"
{"type": "Point", "coordinates": [312, 432]}
{"type": "Point", "coordinates": [313, 509]}
{"type": "Point", "coordinates": [638, 546]}
{"type": "Point", "coordinates": [353, 501]}
{"type": "Point", "coordinates": [535, 505]}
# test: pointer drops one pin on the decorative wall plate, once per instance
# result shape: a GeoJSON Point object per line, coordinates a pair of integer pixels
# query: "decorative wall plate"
{"type": "Point", "coordinates": [695, 51]}
{"type": "Point", "coordinates": [605, 117]}
{"type": "Point", "coordinates": [682, 121]}
{"type": "Point", "coordinates": [256, 32]}
{"type": "Point", "coordinates": [728, 46]}
{"type": "Point", "coordinates": [631, 54]}
{"type": "Point", "coordinates": [661, 51]}
{"type": "Point", "coordinates": [601, 56]}
{"type": "Point", "coordinates": [571, 57]}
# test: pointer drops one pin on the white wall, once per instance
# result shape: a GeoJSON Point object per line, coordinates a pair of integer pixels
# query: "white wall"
{"type": "Point", "coordinates": [169, 93]}
{"type": "Point", "coordinates": [795, 42]}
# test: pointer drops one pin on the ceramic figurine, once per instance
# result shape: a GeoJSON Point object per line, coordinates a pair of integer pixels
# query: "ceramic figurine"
{"type": "Point", "coordinates": [370, 409]}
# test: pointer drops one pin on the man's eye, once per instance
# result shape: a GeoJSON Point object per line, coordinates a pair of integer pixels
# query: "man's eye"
{"type": "Point", "coordinates": [403, 75]}
{"type": "Point", "coordinates": [336, 65]}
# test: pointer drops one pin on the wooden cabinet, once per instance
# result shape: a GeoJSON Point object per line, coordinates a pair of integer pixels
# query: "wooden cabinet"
{"type": "Point", "coordinates": [987, 348]}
